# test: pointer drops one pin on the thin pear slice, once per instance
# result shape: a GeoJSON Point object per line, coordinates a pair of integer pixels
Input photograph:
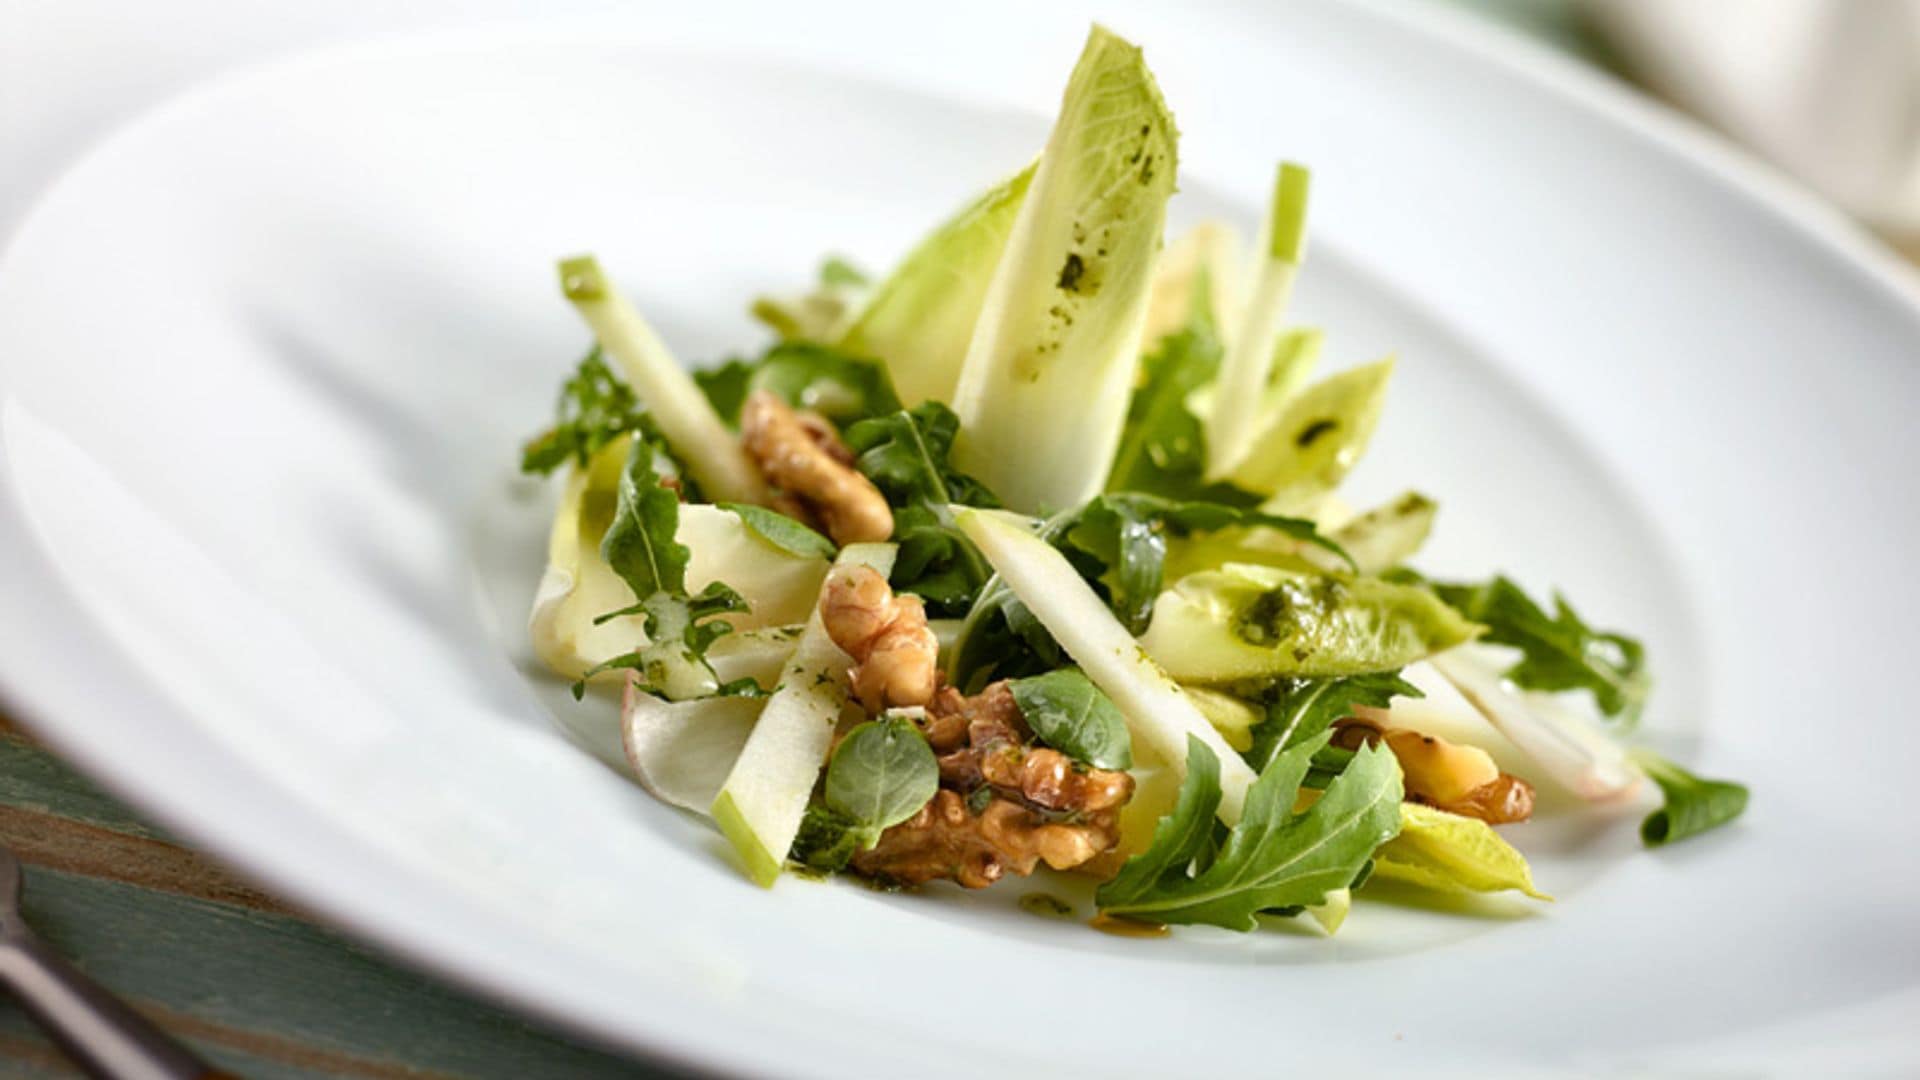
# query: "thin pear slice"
{"type": "Point", "coordinates": [765, 795]}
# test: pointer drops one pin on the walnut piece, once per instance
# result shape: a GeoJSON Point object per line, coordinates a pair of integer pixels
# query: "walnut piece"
{"type": "Point", "coordinates": [1033, 804]}
{"type": "Point", "coordinates": [946, 839]}
{"type": "Point", "coordinates": [895, 656]}
{"type": "Point", "coordinates": [1447, 776]}
{"type": "Point", "coordinates": [800, 454]}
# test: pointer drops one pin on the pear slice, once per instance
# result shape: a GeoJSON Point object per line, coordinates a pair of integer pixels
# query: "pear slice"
{"type": "Point", "coordinates": [765, 795]}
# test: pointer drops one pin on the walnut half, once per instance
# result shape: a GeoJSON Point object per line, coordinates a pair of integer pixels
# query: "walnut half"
{"type": "Point", "coordinates": [800, 454]}
{"type": "Point", "coordinates": [895, 656]}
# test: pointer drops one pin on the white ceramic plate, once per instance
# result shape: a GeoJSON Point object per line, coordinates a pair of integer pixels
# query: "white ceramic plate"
{"type": "Point", "coordinates": [266, 358]}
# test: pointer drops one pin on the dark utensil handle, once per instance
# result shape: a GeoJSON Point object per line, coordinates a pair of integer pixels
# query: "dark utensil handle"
{"type": "Point", "coordinates": [105, 1037]}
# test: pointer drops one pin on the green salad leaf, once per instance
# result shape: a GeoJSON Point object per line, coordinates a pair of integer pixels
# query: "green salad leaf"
{"type": "Point", "coordinates": [1163, 446]}
{"type": "Point", "coordinates": [1067, 712]}
{"type": "Point", "coordinates": [907, 456]}
{"type": "Point", "coordinates": [921, 318]}
{"type": "Point", "coordinates": [595, 408]}
{"type": "Point", "coordinates": [1307, 444]}
{"type": "Point", "coordinates": [1386, 536]}
{"type": "Point", "coordinates": [640, 547]}
{"type": "Point", "coordinates": [1275, 858]}
{"type": "Point", "coordinates": [1044, 388]}
{"type": "Point", "coordinates": [1558, 652]}
{"type": "Point", "coordinates": [1300, 709]}
{"type": "Point", "coordinates": [1120, 540]}
{"type": "Point", "coordinates": [1694, 804]}
{"type": "Point", "coordinates": [881, 774]}
{"type": "Point", "coordinates": [782, 531]}
{"type": "Point", "coordinates": [1452, 853]}
{"type": "Point", "coordinates": [807, 375]}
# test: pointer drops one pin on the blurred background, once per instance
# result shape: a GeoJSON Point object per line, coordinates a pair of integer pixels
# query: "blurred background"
{"type": "Point", "coordinates": [1826, 93]}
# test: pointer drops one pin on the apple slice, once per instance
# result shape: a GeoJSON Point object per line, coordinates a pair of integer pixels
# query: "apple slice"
{"type": "Point", "coordinates": [760, 806]}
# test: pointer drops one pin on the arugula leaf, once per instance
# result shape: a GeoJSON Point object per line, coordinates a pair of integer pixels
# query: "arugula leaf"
{"type": "Point", "coordinates": [1452, 853]}
{"type": "Point", "coordinates": [1067, 712]}
{"type": "Point", "coordinates": [1560, 652]}
{"type": "Point", "coordinates": [782, 531]}
{"type": "Point", "coordinates": [640, 547]}
{"type": "Point", "coordinates": [807, 375]}
{"type": "Point", "coordinates": [1163, 448]}
{"type": "Point", "coordinates": [1274, 858]}
{"type": "Point", "coordinates": [727, 386]}
{"type": "Point", "coordinates": [881, 774]}
{"type": "Point", "coordinates": [936, 562]}
{"type": "Point", "coordinates": [595, 408]}
{"type": "Point", "coordinates": [1301, 709]}
{"type": "Point", "coordinates": [1121, 541]}
{"type": "Point", "coordinates": [1693, 804]}
{"type": "Point", "coordinates": [906, 455]}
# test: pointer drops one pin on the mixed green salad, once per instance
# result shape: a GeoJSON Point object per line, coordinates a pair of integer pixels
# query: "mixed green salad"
{"type": "Point", "coordinates": [1031, 555]}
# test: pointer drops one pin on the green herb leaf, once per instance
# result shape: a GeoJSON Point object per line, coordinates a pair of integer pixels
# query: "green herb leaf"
{"type": "Point", "coordinates": [807, 375]}
{"type": "Point", "coordinates": [881, 774]}
{"type": "Point", "coordinates": [1693, 804]}
{"type": "Point", "coordinates": [827, 839]}
{"type": "Point", "coordinates": [1067, 712]}
{"type": "Point", "coordinates": [595, 408]}
{"type": "Point", "coordinates": [1560, 652]}
{"type": "Point", "coordinates": [1163, 448]}
{"type": "Point", "coordinates": [936, 562]}
{"type": "Point", "coordinates": [639, 544]}
{"type": "Point", "coordinates": [906, 455]}
{"type": "Point", "coordinates": [782, 531]}
{"type": "Point", "coordinates": [1301, 709]}
{"type": "Point", "coordinates": [1121, 541]}
{"type": "Point", "coordinates": [1274, 858]}
{"type": "Point", "coordinates": [640, 547]}
{"type": "Point", "coordinates": [727, 386]}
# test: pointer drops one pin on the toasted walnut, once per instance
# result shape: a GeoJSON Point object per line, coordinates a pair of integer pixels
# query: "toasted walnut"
{"type": "Point", "coordinates": [947, 839]}
{"type": "Point", "coordinates": [1448, 776]}
{"type": "Point", "coordinates": [1004, 805]}
{"type": "Point", "coordinates": [802, 456]}
{"type": "Point", "coordinates": [895, 656]}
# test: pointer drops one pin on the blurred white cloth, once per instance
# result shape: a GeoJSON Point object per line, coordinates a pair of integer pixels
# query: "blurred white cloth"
{"type": "Point", "coordinates": [1828, 89]}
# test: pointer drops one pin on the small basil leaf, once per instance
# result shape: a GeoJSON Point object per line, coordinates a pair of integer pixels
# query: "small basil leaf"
{"type": "Point", "coordinates": [1067, 712]}
{"type": "Point", "coordinates": [881, 774]}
